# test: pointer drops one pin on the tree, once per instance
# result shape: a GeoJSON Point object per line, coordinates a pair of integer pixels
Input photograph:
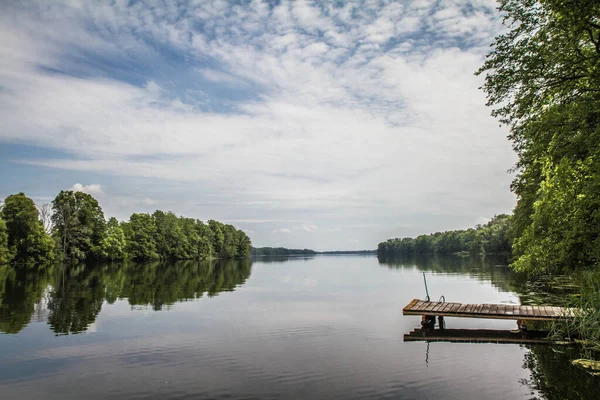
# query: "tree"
{"type": "Point", "coordinates": [204, 245]}
{"type": "Point", "coordinates": [230, 248]}
{"type": "Point", "coordinates": [4, 254]}
{"type": "Point", "coordinates": [216, 236]}
{"type": "Point", "coordinates": [27, 239]}
{"type": "Point", "coordinates": [543, 80]}
{"type": "Point", "coordinates": [140, 235]}
{"type": "Point", "coordinates": [244, 245]}
{"type": "Point", "coordinates": [492, 238]}
{"type": "Point", "coordinates": [79, 225]}
{"type": "Point", "coordinates": [170, 240]}
{"type": "Point", "coordinates": [113, 245]}
{"type": "Point", "coordinates": [550, 56]}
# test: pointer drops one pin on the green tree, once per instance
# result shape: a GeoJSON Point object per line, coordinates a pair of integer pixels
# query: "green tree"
{"type": "Point", "coordinates": [244, 245]}
{"type": "Point", "coordinates": [191, 245]}
{"type": "Point", "coordinates": [204, 245]}
{"type": "Point", "coordinates": [274, 251]}
{"type": "Point", "coordinates": [79, 225]}
{"type": "Point", "coordinates": [113, 245]}
{"type": "Point", "coordinates": [140, 235]}
{"type": "Point", "coordinates": [26, 238]}
{"type": "Point", "coordinates": [230, 248]}
{"type": "Point", "coordinates": [171, 242]}
{"type": "Point", "coordinates": [543, 80]}
{"type": "Point", "coordinates": [216, 237]}
{"type": "Point", "coordinates": [4, 254]}
{"type": "Point", "coordinates": [495, 237]}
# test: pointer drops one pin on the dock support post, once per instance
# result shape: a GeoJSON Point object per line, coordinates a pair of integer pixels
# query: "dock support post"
{"type": "Point", "coordinates": [428, 321]}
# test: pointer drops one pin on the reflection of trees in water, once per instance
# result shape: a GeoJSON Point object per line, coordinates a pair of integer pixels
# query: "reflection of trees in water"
{"type": "Point", "coordinates": [160, 284]}
{"type": "Point", "coordinates": [78, 292]}
{"type": "Point", "coordinates": [488, 268]}
{"type": "Point", "coordinates": [552, 374]}
{"type": "Point", "coordinates": [76, 298]}
{"type": "Point", "coordinates": [550, 367]}
{"type": "Point", "coordinates": [20, 290]}
{"type": "Point", "coordinates": [282, 259]}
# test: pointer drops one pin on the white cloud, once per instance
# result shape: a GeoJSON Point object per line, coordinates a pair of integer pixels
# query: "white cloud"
{"type": "Point", "coordinates": [339, 129]}
{"type": "Point", "coordinates": [309, 227]}
{"type": "Point", "coordinates": [221, 77]}
{"type": "Point", "coordinates": [93, 189]}
{"type": "Point", "coordinates": [148, 201]}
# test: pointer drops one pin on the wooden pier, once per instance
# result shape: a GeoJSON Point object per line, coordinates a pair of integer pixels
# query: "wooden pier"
{"type": "Point", "coordinates": [494, 311]}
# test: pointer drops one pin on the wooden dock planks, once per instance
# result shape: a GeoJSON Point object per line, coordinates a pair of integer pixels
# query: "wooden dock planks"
{"type": "Point", "coordinates": [494, 311]}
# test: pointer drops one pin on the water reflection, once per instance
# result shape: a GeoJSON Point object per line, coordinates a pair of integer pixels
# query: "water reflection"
{"type": "Point", "coordinates": [553, 375]}
{"type": "Point", "coordinates": [21, 292]}
{"type": "Point", "coordinates": [489, 268]}
{"type": "Point", "coordinates": [70, 298]}
{"type": "Point", "coordinates": [282, 259]}
{"type": "Point", "coordinates": [318, 327]}
{"type": "Point", "coordinates": [551, 372]}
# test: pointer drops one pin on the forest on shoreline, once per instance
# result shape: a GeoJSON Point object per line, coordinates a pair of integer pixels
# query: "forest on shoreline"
{"type": "Point", "coordinates": [280, 251]}
{"type": "Point", "coordinates": [73, 229]}
{"type": "Point", "coordinates": [285, 252]}
{"type": "Point", "coordinates": [491, 238]}
{"type": "Point", "coordinates": [542, 81]}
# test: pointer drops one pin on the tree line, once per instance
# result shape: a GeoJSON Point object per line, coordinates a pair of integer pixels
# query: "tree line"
{"type": "Point", "coordinates": [74, 229]}
{"type": "Point", "coordinates": [281, 251]}
{"type": "Point", "coordinates": [495, 237]}
{"type": "Point", "coordinates": [284, 252]}
{"type": "Point", "coordinates": [542, 79]}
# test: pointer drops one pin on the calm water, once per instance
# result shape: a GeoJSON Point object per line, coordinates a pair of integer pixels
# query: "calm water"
{"type": "Point", "coordinates": [328, 327]}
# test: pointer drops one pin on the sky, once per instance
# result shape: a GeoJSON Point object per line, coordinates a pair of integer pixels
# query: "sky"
{"type": "Point", "coordinates": [327, 125]}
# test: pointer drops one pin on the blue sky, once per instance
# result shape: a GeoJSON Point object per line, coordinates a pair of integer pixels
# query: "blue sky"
{"type": "Point", "coordinates": [328, 125]}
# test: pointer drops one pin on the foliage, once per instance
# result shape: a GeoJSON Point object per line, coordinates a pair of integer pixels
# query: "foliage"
{"type": "Point", "coordinates": [113, 245]}
{"type": "Point", "coordinates": [586, 321]}
{"type": "Point", "coordinates": [491, 238]}
{"type": "Point", "coordinates": [228, 242]}
{"type": "Point", "coordinates": [543, 80]}
{"type": "Point", "coordinates": [4, 254]}
{"type": "Point", "coordinates": [79, 225]}
{"type": "Point", "coordinates": [171, 242]}
{"type": "Point", "coordinates": [140, 234]}
{"type": "Point", "coordinates": [81, 233]}
{"type": "Point", "coordinates": [27, 241]}
{"type": "Point", "coordinates": [280, 251]}
{"type": "Point", "coordinates": [165, 236]}
{"type": "Point", "coordinates": [565, 221]}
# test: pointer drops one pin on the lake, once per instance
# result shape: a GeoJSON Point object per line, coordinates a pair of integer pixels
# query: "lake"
{"type": "Point", "coordinates": [325, 327]}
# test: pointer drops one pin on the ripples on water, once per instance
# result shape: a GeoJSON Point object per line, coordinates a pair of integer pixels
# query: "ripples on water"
{"type": "Point", "coordinates": [328, 327]}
